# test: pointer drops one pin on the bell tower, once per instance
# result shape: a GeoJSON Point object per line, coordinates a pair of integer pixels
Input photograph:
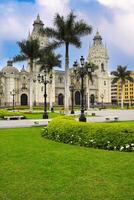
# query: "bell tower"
{"type": "Point", "coordinates": [36, 32]}
{"type": "Point", "coordinates": [101, 85]}
{"type": "Point", "coordinates": [98, 54]}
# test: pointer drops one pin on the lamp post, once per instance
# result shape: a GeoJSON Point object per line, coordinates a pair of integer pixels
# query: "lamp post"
{"type": "Point", "coordinates": [43, 79]}
{"type": "Point", "coordinates": [13, 93]}
{"type": "Point", "coordinates": [71, 88]}
{"type": "Point", "coordinates": [102, 97]}
{"type": "Point", "coordinates": [81, 71]}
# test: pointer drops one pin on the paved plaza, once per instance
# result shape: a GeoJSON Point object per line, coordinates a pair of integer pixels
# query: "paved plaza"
{"type": "Point", "coordinates": [100, 116]}
{"type": "Point", "coordinates": [23, 123]}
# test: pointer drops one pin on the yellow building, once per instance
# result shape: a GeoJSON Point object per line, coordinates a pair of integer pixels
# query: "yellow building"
{"type": "Point", "coordinates": [128, 92]}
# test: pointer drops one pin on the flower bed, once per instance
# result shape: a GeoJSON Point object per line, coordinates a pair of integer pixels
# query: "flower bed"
{"type": "Point", "coordinates": [110, 136]}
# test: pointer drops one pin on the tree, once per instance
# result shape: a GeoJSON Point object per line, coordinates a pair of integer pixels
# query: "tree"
{"type": "Point", "coordinates": [121, 74]}
{"type": "Point", "coordinates": [29, 50]}
{"type": "Point", "coordinates": [67, 31]}
{"type": "Point", "coordinates": [49, 60]}
{"type": "Point", "coordinates": [90, 65]}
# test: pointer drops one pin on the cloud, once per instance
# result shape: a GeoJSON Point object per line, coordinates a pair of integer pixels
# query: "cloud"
{"type": "Point", "coordinates": [47, 9]}
{"type": "Point", "coordinates": [119, 31]}
{"type": "Point", "coordinates": [16, 20]}
{"type": "Point", "coordinates": [54, 5]}
{"type": "Point", "coordinates": [123, 4]}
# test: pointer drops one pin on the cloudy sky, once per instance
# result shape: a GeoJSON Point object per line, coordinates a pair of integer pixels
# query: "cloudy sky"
{"type": "Point", "coordinates": [114, 20]}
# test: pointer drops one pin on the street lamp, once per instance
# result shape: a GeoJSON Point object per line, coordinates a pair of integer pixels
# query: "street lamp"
{"type": "Point", "coordinates": [80, 72]}
{"type": "Point", "coordinates": [102, 97]}
{"type": "Point", "coordinates": [13, 93]}
{"type": "Point", "coordinates": [43, 79]}
{"type": "Point", "coordinates": [71, 88]}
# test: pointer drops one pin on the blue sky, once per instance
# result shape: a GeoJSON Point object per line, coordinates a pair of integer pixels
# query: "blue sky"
{"type": "Point", "coordinates": [114, 20]}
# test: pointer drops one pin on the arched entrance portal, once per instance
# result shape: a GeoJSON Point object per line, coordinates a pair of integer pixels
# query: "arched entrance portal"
{"type": "Point", "coordinates": [92, 100]}
{"type": "Point", "coordinates": [24, 100]}
{"type": "Point", "coordinates": [77, 98]}
{"type": "Point", "coordinates": [60, 99]}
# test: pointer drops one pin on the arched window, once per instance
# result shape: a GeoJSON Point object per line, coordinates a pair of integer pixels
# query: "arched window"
{"type": "Point", "coordinates": [92, 99]}
{"type": "Point", "coordinates": [60, 79]}
{"type": "Point", "coordinates": [24, 100]}
{"type": "Point", "coordinates": [77, 98]}
{"type": "Point", "coordinates": [102, 67]}
{"type": "Point", "coordinates": [60, 99]}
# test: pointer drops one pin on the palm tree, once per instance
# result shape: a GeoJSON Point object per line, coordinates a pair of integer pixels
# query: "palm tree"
{"type": "Point", "coordinates": [121, 74]}
{"type": "Point", "coordinates": [29, 50]}
{"type": "Point", "coordinates": [49, 60]}
{"type": "Point", "coordinates": [90, 65]}
{"type": "Point", "coordinates": [67, 32]}
{"type": "Point", "coordinates": [93, 67]}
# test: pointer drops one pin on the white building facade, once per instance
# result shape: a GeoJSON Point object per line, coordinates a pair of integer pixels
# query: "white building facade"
{"type": "Point", "coordinates": [11, 79]}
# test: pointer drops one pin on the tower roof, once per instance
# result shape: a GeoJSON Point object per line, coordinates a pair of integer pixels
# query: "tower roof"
{"type": "Point", "coordinates": [9, 68]}
{"type": "Point", "coordinates": [97, 36]}
{"type": "Point", "coordinates": [38, 20]}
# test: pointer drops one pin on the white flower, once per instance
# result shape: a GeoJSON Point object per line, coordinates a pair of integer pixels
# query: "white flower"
{"type": "Point", "coordinates": [108, 142]}
{"type": "Point", "coordinates": [71, 142]}
{"type": "Point", "coordinates": [115, 147]}
{"type": "Point", "coordinates": [132, 144]}
{"type": "Point", "coordinates": [133, 148]}
{"type": "Point", "coordinates": [91, 140]}
{"type": "Point", "coordinates": [121, 148]}
{"type": "Point", "coordinates": [127, 146]}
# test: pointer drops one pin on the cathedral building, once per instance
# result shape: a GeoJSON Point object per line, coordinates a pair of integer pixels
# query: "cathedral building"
{"type": "Point", "coordinates": [15, 82]}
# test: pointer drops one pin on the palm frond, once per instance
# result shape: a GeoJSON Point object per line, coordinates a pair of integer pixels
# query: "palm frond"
{"type": "Point", "coordinates": [121, 74]}
{"type": "Point", "coordinates": [75, 41]}
{"type": "Point", "coordinates": [68, 30]}
{"type": "Point", "coordinates": [53, 45]}
{"type": "Point", "coordinates": [82, 29]}
{"type": "Point", "coordinates": [29, 48]}
{"type": "Point", "coordinates": [129, 78]}
{"type": "Point", "coordinates": [49, 60]}
{"type": "Point", "coordinates": [50, 32]}
{"type": "Point", "coordinates": [115, 80]}
{"type": "Point", "coordinates": [19, 58]}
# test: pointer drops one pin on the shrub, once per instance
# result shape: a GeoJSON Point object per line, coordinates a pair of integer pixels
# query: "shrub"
{"type": "Point", "coordinates": [8, 113]}
{"type": "Point", "coordinates": [110, 136]}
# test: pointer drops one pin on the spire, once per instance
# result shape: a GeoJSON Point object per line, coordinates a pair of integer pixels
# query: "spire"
{"type": "Point", "coordinates": [23, 68]}
{"type": "Point", "coordinates": [29, 35]}
{"type": "Point", "coordinates": [38, 18]}
{"type": "Point", "coordinates": [97, 38]}
{"type": "Point", "coordinates": [38, 21]}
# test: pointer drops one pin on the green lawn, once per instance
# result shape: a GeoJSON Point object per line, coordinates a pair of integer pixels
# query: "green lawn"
{"type": "Point", "coordinates": [40, 115]}
{"type": "Point", "coordinates": [32, 168]}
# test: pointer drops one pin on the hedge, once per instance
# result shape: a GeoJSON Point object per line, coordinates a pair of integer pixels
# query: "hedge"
{"type": "Point", "coordinates": [4, 113]}
{"type": "Point", "coordinates": [110, 136]}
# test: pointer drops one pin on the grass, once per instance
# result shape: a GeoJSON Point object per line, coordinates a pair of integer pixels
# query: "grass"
{"type": "Point", "coordinates": [33, 168]}
{"type": "Point", "coordinates": [40, 115]}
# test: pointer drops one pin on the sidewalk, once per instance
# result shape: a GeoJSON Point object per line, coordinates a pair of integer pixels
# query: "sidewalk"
{"type": "Point", "coordinates": [23, 123]}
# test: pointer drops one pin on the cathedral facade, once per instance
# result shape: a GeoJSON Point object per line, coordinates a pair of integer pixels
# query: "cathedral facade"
{"type": "Point", "coordinates": [15, 84]}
